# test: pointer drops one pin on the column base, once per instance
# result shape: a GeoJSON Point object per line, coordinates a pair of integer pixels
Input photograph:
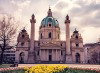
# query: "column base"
{"type": "Point", "coordinates": [69, 58]}
{"type": "Point", "coordinates": [31, 58]}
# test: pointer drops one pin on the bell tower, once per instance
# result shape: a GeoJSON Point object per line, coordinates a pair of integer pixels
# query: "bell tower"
{"type": "Point", "coordinates": [77, 49]}
{"type": "Point", "coordinates": [32, 39]}
{"type": "Point", "coordinates": [22, 47]}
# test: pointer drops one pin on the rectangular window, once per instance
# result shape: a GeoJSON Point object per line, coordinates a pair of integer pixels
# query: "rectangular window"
{"type": "Point", "coordinates": [38, 52]}
{"type": "Point", "coordinates": [61, 52]}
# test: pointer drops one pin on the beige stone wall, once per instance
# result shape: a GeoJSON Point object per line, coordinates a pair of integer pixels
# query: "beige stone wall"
{"type": "Point", "coordinates": [23, 45]}
{"type": "Point", "coordinates": [17, 56]}
{"type": "Point", "coordinates": [45, 31]}
{"type": "Point", "coordinates": [82, 56]}
{"type": "Point", "coordinates": [93, 49]}
{"type": "Point", "coordinates": [56, 50]}
{"type": "Point", "coordinates": [44, 55]}
{"type": "Point", "coordinates": [77, 47]}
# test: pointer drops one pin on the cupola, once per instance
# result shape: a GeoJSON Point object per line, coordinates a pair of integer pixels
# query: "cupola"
{"type": "Point", "coordinates": [49, 20]}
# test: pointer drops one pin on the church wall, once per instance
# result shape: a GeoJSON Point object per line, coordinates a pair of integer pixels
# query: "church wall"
{"type": "Point", "coordinates": [45, 31]}
{"type": "Point", "coordinates": [80, 44]}
{"type": "Point", "coordinates": [17, 56]}
{"type": "Point", "coordinates": [25, 44]}
{"type": "Point", "coordinates": [82, 57]}
{"type": "Point", "coordinates": [37, 44]}
{"type": "Point", "coordinates": [82, 60]}
{"type": "Point", "coordinates": [60, 49]}
{"type": "Point", "coordinates": [58, 55]}
{"type": "Point", "coordinates": [44, 55]}
{"type": "Point", "coordinates": [85, 55]}
{"type": "Point", "coordinates": [56, 51]}
{"type": "Point", "coordinates": [54, 55]}
{"type": "Point", "coordinates": [73, 45]}
{"type": "Point", "coordinates": [93, 53]}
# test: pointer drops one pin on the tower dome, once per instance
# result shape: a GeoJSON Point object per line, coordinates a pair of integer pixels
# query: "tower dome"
{"type": "Point", "coordinates": [75, 31]}
{"type": "Point", "coordinates": [49, 20]}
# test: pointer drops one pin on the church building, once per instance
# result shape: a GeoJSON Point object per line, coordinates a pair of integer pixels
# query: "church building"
{"type": "Point", "coordinates": [49, 48]}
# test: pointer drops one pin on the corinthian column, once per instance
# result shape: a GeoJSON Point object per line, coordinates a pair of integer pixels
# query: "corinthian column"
{"type": "Point", "coordinates": [67, 23]}
{"type": "Point", "coordinates": [32, 40]}
{"type": "Point", "coordinates": [32, 21]}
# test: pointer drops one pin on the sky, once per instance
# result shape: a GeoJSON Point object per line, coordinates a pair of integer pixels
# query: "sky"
{"type": "Point", "coordinates": [84, 15]}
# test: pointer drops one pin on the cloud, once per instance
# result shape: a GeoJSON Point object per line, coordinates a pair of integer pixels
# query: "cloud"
{"type": "Point", "coordinates": [2, 11]}
{"type": "Point", "coordinates": [84, 14]}
{"type": "Point", "coordinates": [61, 5]}
{"type": "Point", "coordinates": [20, 6]}
{"type": "Point", "coordinates": [91, 34]}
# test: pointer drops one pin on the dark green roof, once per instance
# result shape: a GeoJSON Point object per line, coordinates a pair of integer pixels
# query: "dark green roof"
{"type": "Point", "coordinates": [49, 20]}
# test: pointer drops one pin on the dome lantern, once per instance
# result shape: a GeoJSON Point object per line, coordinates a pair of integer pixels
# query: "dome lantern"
{"type": "Point", "coordinates": [49, 12]}
{"type": "Point", "coordinates": [33, 16]}
{"type": "Point", "coordinates": [75, 31]}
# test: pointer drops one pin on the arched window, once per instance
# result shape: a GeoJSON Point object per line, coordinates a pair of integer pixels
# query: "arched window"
{"type": "Point", "coordinates": [38, 52]}
{"type": "Point", "coordinates": [58, 36]}
{"type": "Point", "coordinates": [23, 35]}
{"type": "Point", "coordinates": [41, 36]}
{"type": "Point", "coordinates": [44, 26]}
{"type": "Point", "coordinates": [77, 45]}
{"type": "Point", "coordinates": [76, 37]}
{"type": "Point", "coordinates": [49, 35]}
{"type": "Point", "coordinates": [61, 44]}
{"type": "Point", "coordinates": [22, 43]}
{"type": "Point", "coordinates": [49, 25]}
{"type": "Point", "coordinates": [61, 52]}
{"type": "Point", "coordinates": [21, 57]}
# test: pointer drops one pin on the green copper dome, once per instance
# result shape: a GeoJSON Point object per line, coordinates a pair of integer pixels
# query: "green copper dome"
{"type": "Point", "coordinates": [49, 20]}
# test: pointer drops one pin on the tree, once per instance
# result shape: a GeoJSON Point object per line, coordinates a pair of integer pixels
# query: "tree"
{"type": "Point", "coordinates": [7, 33]}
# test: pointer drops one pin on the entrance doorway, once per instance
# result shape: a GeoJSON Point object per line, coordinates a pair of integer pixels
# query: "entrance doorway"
{"type": "Point", "coordinates": [21, 57]}
{"type": "Point", "coordinates": [50, 57]}
{"type": "Point", "coordinates": [77, 58]}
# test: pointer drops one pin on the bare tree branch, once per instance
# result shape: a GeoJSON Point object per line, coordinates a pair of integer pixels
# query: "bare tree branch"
{"type": "Point", "coordinates": [7, 33]}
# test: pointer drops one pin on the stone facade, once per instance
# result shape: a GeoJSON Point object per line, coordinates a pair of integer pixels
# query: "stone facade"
{"type": "Point", "coordinates": [23, 44]}
{"type": "Point", "coordinates": [49, 48]}
{"type": "Point", "coordinates": [77, 48]}
{"type": "Point", "coordinates": [93, 53]}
